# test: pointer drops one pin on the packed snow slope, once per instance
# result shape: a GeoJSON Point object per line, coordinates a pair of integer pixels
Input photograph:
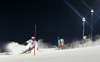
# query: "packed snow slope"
{"type": "Point", "coordinates": [86, 54]}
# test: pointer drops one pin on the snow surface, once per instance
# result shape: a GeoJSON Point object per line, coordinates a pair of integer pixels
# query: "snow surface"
{"type": "Point", "coordinates": [87, 54]}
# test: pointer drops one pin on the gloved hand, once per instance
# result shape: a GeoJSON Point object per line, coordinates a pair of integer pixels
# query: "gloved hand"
{"type": "Point", "coordinates": [27, 42]}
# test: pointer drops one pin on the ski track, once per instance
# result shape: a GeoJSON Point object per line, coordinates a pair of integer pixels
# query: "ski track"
{"type": "Point", "coordinates": [86, 54]}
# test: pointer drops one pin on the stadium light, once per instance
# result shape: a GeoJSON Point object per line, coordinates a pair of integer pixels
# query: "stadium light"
{"type": "Point", "coordinates": [83, 28]}
{"type": "Point", "coordinates": [92, 11]}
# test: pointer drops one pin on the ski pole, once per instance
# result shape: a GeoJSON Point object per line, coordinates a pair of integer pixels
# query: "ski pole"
{"type": "Point", "coordinates": [18, 45]}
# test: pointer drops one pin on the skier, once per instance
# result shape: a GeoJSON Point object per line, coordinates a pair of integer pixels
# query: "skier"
{"type": "Point", "coordinates": [32, 42]}
{"type": "Point", "coordinates": [61, 43]}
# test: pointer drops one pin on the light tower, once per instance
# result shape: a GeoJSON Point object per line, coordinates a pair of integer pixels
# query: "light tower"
{"type": "Point", "coordinates": [83, 28]}
{"type": "Point", "coordinates": [92, 11]}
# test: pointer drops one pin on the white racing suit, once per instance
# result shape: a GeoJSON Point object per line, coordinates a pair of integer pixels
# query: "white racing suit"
{"type": "Point", "coordinates": [31, 46]}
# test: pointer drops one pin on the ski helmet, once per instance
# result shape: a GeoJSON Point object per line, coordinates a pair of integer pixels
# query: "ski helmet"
{"type": "Point", "coordinates": [33, 37]}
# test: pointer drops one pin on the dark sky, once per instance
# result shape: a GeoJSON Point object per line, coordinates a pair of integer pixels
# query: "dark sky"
{"type": "Point", "coordinates": [52, 17]}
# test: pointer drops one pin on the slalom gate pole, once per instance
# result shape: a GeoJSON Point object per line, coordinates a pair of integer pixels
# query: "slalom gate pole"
{"type": "Point", "coordinates": [58, 41]}
{"type": "Point", "coordinates": [35, 40]}
{"type": "Point", "coordinates": [89, 36]}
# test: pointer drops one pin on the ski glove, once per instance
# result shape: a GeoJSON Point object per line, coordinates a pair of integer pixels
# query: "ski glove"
{"type": "Point", "coordinates": [27, 41]}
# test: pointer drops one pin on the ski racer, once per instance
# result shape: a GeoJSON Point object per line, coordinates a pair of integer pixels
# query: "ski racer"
{"type": "Point", "coordinates": [61, 43]}
{"type": "Point", "coordinates": [31, 45]}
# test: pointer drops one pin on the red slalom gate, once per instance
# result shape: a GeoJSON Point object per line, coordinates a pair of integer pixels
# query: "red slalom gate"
{"type": "Point", "coordinates": [35, 40]}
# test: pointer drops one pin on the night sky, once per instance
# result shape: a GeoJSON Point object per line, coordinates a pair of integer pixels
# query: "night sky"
{"type": "Point", "coordinates": [52, 17]}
